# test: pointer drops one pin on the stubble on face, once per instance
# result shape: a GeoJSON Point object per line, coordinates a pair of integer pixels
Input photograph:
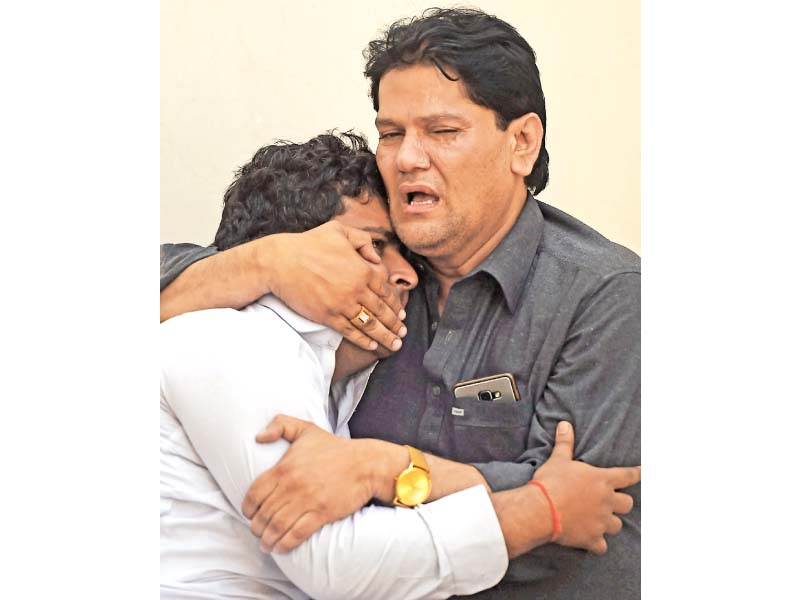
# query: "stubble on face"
{"type": "Point", "coordinates": [433, 134]}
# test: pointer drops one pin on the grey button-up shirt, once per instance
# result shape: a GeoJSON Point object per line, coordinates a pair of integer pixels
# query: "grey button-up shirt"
{"type": "Point", "coordinates": [558, 306]}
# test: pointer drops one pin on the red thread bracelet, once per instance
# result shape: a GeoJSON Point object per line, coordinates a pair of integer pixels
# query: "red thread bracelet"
{"type": "Point", "coordinates": [553, 511]}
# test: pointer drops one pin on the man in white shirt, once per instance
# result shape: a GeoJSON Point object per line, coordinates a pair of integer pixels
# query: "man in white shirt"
{"type": "Point", "coordinates": [226, 373]}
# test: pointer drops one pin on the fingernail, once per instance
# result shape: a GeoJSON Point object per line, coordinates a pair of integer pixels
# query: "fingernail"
{"type": "Point", "coordinates": [396, 345]}
{"type": "Point", "coordinates": [263, 548]}
{"type": "Point", "coordinates": [403, 331]}
{"type": "Point", "coordinates": [373, 345]}
{"type": "Point", "coordinates": [402, 314]}
{"type": "Point", "coordinates": [563, 427]}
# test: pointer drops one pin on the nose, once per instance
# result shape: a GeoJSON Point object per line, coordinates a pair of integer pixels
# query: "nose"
{"type": "Point", "coordinates": [412, 155]}
{"type": "Point", "coordinates": [401, 274]}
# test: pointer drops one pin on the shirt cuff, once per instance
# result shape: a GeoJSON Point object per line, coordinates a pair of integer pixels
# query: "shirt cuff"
{"type": "Point", "coordinates": [468, 533]}
{"type": "Point", "coordinates": [505, 475]}
{"type": "Point", "coordinates": [176, 258]}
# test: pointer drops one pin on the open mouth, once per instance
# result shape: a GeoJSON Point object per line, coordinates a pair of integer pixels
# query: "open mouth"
{"type": "Point", "coordinates": [421, 199]}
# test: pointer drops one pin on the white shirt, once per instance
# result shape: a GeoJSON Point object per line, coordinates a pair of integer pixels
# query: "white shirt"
{"type": "Point", "coordinates": [225, 374]}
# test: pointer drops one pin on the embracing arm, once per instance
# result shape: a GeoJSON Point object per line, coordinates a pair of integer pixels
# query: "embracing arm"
{"type": "Point", "coordinates": [595, 384]}
{"type": "Point", "coordinates": [218, 377]}
{"type": "Point", "coordinates": [324, 274]}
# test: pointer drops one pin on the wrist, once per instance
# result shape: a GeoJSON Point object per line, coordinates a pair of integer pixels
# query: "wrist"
{"type": "Point", "coordinates": [525, 519]}
{"type": "Point", "coordinates": [384, 462]}
{"type": "Point", "coordinates": [555, 518]}
{"type": "Point", "coordinates": [266, 257]}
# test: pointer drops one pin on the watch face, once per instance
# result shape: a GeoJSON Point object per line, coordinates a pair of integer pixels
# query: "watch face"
{"type": "Point", "coordinates": [413, 487]}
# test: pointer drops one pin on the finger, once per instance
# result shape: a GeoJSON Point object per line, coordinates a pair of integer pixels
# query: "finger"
{"type": "Point", "coordinates": [565, 439]}
{"type": "Point", "coordinates": [614, 525]}
{"type": "Point", "coordinates": [261, 489]}
{"type": "Point", "coordinates": [362, 243]}
{"type": "Point", "coordinates": [622, 477]}
{"type": "Point", "coordinates": [346, 328]}
{"type": "Point", "coordinates": [378, 332]}
{"type": "Point", "coordinates": [383, 312]}
{"type": "Point", "coordinates": [380, 286]}
{"type": "Point", "coordinates": [622, 504]}
{"type": "Point", "coordinates": [299, 532]}
{"type": "Point", "coordinates": [279, 525]}
{"type": "Point", "coordinates": [599, 548]}
{"type": "Point", "coordinates": [291, 427]}
{"type": "Point", "coordinates": [265, 514]}
{"type": "Point", "coordinates": [272, 433]}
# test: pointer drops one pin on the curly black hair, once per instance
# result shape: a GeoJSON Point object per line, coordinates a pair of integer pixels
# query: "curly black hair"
{"type": "Point", "coordinates": [291, 188]}
{"type": "Point", "coordinates": [493, 61]}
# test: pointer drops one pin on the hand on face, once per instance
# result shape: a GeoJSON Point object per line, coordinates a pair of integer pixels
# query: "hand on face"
{"type": "Point", "coordinates": [334, 269]}
{"type": "Point", "coordinates": [369, 215]}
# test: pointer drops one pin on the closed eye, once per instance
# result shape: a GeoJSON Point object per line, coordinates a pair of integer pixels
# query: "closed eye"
{"type": "Point", "coordinates": [379, 245]}
{"type": "Point", "coordinates": [388, 135]}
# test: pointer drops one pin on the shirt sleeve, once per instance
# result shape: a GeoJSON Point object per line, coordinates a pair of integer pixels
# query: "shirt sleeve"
{"type": "Point", "coordinates": [175, 258]}
{"type": "Point", "coordinates": [595, 385]}
{"type": "Point", "coordinates": [224, 383]}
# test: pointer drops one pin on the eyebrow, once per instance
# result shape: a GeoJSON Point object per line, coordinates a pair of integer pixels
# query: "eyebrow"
{"type": "Point", "coordinates": [426, 120]}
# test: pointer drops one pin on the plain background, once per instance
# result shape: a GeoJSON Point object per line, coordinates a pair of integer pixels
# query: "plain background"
{"type": "Point", "coordinates": [79, 305]}
{"type": "Point", "coordinates": [237, 76]}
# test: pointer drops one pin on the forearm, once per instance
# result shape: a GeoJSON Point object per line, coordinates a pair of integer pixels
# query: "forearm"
{"type": "Point", "coordinates": [387, 461]}
{"type": "Point", "coordinates": [230, 279]}
{"type": "Point", "coordinates": [450, 547]}
{"type": "Point", "coordinates": [525, 518]}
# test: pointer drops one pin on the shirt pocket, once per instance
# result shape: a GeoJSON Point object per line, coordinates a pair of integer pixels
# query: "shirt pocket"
{"type": "Point", "coordinates": [486, 431]}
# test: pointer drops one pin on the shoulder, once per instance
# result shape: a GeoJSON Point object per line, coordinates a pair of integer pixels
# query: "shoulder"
{"type": "Point", "coordinates": [224, 339]}
{"type": "Point", "coordinates": [572, 241]}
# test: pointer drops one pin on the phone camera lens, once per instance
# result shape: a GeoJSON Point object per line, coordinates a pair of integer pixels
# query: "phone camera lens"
{"type": "Point", "coordinates": [485, 396]}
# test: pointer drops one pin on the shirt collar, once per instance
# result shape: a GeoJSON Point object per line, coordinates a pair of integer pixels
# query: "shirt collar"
{"type": "Point", "coordinates": [511, 261]}
{"type": "Point", "coordinates": [313, 333]}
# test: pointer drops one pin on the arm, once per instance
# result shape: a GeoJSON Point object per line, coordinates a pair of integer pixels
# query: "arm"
{"type": "Point", "coordinates": [312, 484]}
{"type": "Point", "coordinates": [219, 385]}
{"type": "Point", "coordinates": [324, 274]}
{"type": "Point", "coordinates": [596, 385]}
{"type": "Point", "coordinates": [595, 382]}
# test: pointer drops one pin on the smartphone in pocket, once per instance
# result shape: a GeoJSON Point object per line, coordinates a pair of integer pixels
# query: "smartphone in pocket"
{"type": "Point", "coordinates": [494, 388]}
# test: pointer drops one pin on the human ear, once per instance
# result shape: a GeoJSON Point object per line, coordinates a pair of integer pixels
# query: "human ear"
{"type": "Point", "coordinates": [527, 133]}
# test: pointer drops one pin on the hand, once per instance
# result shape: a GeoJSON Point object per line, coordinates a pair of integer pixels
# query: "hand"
{"type": "Point", "coordinates": [320, 479]}
{"type": "Point", "coordinates": [327, 273]}
{"type": "Point", "coordinates": [585, 496]}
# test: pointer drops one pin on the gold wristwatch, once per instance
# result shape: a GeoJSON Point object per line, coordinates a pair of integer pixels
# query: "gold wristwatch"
{"type": "Point", "coordinates": [413, 485]}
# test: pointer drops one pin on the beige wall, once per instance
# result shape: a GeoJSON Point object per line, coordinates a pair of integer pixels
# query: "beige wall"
{"type": "Point", "coordinates": [236, 75]}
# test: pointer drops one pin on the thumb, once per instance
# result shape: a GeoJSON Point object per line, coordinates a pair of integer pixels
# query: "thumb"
{"type": "Point", "coordinates": [282, 426]}
{"type": "Point", "coordinates": [565, 441]}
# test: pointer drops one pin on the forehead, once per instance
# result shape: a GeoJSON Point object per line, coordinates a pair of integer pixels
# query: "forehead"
{"type": "Point", "coordinates": [367, 212]}
{"type": "Point", "coordinates": [422, 90]}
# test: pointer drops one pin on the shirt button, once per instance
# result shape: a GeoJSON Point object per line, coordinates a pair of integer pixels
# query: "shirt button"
{"type": "Point", "coordinates": [436, 390]}
{"type": "Point", "coordinates": [434, 325]}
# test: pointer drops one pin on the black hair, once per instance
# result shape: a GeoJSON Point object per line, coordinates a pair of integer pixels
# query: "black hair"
{"type": "Point", "coordinates": [291, 188]}
{"type": "Point", "coordinates": [493, 61]}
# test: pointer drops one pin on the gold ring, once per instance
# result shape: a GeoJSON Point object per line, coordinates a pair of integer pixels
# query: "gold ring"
{"type": "Point", "coordinates": [363, 317]}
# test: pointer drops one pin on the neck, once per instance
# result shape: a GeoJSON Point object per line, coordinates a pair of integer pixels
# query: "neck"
{"type": "Point", "coordinates": [451, 269]}
{"type": "Point", "coordinates": [351, 359]}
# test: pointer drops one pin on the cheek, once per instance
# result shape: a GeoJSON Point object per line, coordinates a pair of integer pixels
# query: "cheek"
{"type": "Point", "coordinates": [385, 160]}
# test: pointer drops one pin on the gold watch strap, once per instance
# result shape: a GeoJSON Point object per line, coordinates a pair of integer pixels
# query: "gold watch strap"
{"type": "Point", "coordinates": [417, 459]}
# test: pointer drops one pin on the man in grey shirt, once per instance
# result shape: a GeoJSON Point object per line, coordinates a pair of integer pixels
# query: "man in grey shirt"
{"type": "Point", "coordinates": [507, 285]}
